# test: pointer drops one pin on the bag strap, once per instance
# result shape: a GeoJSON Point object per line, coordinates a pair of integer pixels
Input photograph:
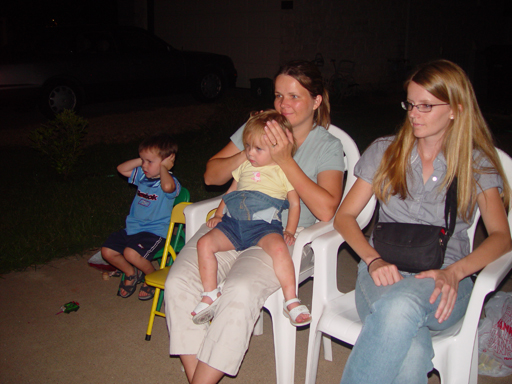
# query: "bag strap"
{"type": "Point", "coordinates": [450, 208]}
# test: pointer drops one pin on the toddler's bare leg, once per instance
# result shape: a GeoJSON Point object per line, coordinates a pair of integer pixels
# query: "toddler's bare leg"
{"type": "Point", "coordinates": [214, 241]}
{"type": "Point", "coordinates": [274, 245]}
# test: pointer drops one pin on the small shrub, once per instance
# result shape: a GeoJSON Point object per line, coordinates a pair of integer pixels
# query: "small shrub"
{"type": "Point", "coordinates": [61, 140]}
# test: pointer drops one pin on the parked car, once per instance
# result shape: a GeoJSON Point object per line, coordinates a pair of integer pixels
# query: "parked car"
{"type": "Point", "coordinates": [65, 67]}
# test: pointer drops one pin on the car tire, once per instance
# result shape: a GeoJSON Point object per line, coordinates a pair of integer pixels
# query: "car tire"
{"type": "Point", "coordinates": [59, 95]}
{"type": "Point", "coordinates": [209, 86]}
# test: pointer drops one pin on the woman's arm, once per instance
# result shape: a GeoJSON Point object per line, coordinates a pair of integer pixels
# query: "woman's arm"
{"type": "Point", "coordinates": [496, 244]}
{"type": "Point", "coordinates": [322, 198]}
{"type": "Point", "coordinates": [345, 223]}
{"type": "Point", "coordinates": [219, 167]}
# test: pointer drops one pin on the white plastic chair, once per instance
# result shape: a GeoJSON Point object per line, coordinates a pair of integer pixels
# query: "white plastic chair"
{"type": "Point", "coordinates": [284, 332]}
{"type": "Point", "coordinates": [334, 313]}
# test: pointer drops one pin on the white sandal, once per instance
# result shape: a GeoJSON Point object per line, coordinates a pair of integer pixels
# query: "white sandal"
{"type": "Point", "coordinates": [296, 312]}
{"type": "Point", "coordinates": [205, 312]}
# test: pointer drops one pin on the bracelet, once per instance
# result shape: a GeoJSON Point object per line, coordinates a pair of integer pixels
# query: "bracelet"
{"type": "Point", "coordinates": [371, 262]}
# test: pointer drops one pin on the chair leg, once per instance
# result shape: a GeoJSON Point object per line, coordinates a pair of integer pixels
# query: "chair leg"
{"type": "Point", "coordinates": [152, 314]}
{"type": "Point", "coordinates": [473, 372]}
{"type": "Point", "coordinates": [284, 347]}
{"type": "Point", "coordinates": [160, 301]}
{"type": "Point", "coordinates": [284, 339]}
{"type": "Point", "coordinates": [315, 339]}
{"type": "Point", "coordinates": [326, 342]}
{"type": "Point", "coordinates": [258, 327]}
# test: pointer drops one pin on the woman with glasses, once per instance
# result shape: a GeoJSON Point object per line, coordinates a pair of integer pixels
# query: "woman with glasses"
{"type": "Point", "coordinates": [443, 137]}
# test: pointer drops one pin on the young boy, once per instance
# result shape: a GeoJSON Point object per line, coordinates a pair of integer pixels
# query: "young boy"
{"type": "Point", "coordinates": [132, 249]}
{"type": "Point", "coordinates": [259, 193]}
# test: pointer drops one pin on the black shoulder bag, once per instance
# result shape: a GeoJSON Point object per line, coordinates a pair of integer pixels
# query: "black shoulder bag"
{"type": "Point", "coordinates": [416, 247]}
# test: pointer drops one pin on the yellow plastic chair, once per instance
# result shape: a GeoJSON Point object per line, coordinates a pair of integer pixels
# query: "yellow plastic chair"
{"type": "Point", "coordinates": [157, 278]}
{"type": "Point", "coordinates": [178, 238]}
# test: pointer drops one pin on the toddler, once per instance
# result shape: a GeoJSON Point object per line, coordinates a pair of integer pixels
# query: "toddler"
{"type": "Point", "coordinates": [253, 204]}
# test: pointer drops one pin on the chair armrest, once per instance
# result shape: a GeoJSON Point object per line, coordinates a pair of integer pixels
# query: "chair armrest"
{"type": "Point", "coordinates": [326, 261]}
{"type": "Point", "coordinates": [492, 275]}
{"type": "Point", "coordinates": [305, 237]}
{"type": "Point", "coordinates": [325, 285]}
{"type": "Point", "coordinates": [195, 215]}
{"type": "Point", "coordinates": [487, 281]}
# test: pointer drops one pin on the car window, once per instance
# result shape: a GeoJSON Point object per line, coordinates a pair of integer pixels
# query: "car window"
{"type": "Point", "coordinates": [94, 43]}
{"type": "Point", "coordinates": [55, 43]}
{"type": "Point", "coordinates": [136, 42]}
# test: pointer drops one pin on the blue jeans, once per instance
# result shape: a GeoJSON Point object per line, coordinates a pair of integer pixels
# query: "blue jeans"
{"type": "Point", "coordinates": [395, 345]}
{"type": "Point", "coordinates": [247, 233]}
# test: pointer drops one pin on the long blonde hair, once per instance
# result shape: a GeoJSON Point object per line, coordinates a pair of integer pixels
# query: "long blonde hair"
{"type": "Point", "coordinates": [468, 132]}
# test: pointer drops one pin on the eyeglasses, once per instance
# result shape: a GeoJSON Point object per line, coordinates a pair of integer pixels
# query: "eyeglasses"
{"type": "Point", "coordinates": [421, 107]}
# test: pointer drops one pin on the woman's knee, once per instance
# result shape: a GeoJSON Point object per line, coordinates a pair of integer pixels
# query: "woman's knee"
{"type": "Point", "coordinates": [399, 310]}
{"type": "Point", "coordinates": [250, 282]}
{"type": "Point", "coordinates": [184, 273]}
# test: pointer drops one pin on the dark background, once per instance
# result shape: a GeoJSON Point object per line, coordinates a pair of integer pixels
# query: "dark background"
{"type": "Point", "coordinates": [476, 34]}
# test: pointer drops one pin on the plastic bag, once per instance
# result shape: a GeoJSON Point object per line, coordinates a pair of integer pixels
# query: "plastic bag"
{"type": "Point", "coordinates": [97, 261]}
{"type": "Point", "coordinates": [495, 337]}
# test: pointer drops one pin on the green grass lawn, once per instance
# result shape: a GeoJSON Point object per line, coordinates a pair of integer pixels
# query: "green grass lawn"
{"type": "Point", "coordinates": [45, 216]}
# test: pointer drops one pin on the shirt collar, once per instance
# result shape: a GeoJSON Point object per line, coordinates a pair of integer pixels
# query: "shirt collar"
{"type": "Point", "coordinates": [415, 157]}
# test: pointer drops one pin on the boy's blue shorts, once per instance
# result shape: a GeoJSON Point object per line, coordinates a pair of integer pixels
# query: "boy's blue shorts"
{"type": "Point", "coordinates": [246, 233]}
{"type": "Point", "coordinates": [147, 244]}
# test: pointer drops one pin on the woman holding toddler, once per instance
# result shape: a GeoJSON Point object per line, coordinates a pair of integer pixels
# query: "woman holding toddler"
{"type": "Point", "coordinates": [247, 278]}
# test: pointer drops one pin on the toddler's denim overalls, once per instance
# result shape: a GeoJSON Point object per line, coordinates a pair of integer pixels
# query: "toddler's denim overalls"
{"type": "Point", "coordinates": [250, 216]}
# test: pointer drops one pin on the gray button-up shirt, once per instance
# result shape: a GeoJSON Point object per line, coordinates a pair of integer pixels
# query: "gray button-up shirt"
{"type": "Point", "coordinates": [425, 204]}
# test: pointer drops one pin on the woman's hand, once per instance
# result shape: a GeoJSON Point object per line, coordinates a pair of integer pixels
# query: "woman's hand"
{"type": "Point", "coordinates": [279, 142]}
{"type": "Point", "coordinates": [446, 285]}
{"type": "Point", "coordinates": [496, 244]}
{"type": "Point", "coordinates": [384, 273]}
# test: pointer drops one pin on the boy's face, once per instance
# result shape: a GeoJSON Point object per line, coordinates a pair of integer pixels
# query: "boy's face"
{"type": "Point", "coordinates": [150, 163]}
{"type": "Point", "coordinates": [257, 152]}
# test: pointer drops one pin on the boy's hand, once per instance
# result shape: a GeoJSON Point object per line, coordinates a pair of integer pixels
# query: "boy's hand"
{"type": "Point", "coordinates": [168, 162]}
{"type": "Point", "coordinates": [289, 238]}
{"type": "Point", "coordinates": [212, 223]}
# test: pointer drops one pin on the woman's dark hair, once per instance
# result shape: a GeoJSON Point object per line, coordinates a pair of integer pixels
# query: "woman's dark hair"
{"type": "Point", "coordinates": [308, 75]}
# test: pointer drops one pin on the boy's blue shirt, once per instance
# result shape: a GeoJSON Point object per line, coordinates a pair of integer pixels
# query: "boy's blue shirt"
{"type": "Point", "coordinates": [151, 208]}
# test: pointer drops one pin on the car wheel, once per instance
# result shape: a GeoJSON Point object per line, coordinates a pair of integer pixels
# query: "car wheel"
{"type": "Point", "coordinates": [209, 86]}
{"type": "Point", "coordinates": [59, 96]}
